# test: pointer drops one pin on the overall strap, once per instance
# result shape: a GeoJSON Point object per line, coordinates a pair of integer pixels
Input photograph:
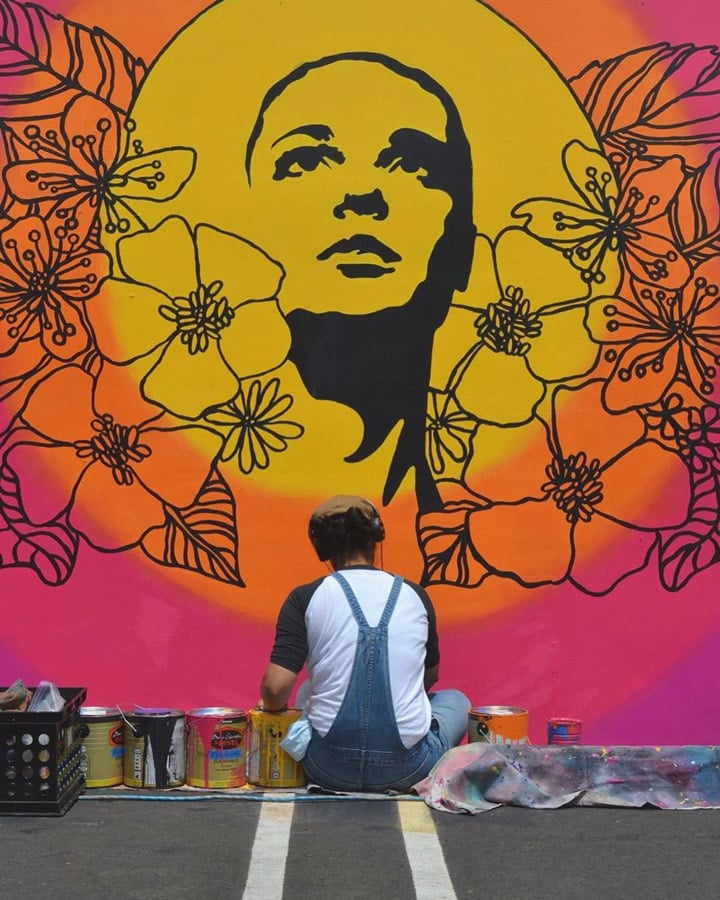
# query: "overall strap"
{"type": "Point", "coordinates": [392, 600]}
{"type": "Point", "coordinates": [355, 606]}
{"type": "Point", "coordinates": [351, 599]}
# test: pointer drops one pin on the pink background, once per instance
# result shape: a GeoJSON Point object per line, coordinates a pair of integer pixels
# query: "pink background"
{"type": "Point", "coordinates": [638, 666]}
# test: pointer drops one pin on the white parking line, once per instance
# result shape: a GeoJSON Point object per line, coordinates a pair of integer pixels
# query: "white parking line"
{"type": "Point", "coordinates": [266, 874]}
{"type": "Point", "coordinates": [427, 863]}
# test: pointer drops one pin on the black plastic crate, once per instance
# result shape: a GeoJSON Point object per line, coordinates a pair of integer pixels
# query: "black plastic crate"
{"type": "Point", "coordinates": [40, 759]}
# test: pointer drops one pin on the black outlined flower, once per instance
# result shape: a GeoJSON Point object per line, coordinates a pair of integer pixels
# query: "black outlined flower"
{"type": "Point", "coordinates": [254, 424]}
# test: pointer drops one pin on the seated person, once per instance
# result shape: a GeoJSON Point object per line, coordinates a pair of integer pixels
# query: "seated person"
{"type": "Point", "coordinates": [371, 647]}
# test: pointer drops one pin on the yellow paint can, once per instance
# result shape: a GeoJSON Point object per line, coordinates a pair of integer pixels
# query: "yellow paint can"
{"type": "Point", "coordinates": [154, 748]}
{"type": "Point", "coordinates": [101, 730]}
{"type": "Point", "coordinates": [268, 765]}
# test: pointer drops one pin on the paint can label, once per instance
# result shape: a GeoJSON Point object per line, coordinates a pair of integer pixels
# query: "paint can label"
{"type": "Point", "coordinates": [216, 741]}
{"type": "Point", "coordinates": [101, 748]}
{"type": "Point", "coordinates": [268, 765]}
{"type": "Point", "coordinates": [498, 725]}
{"type": "Point", "coordinates": [154, 750]}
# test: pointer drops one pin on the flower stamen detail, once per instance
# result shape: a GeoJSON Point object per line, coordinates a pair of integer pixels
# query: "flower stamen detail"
{"type": "Point", "coordinates": [574, 485]}
{"type": "Point", "coordinates": [506, 326]}
{"type": "Point", "coordinates": [115, 446]}
{"type": "Point", "coordinates": [200, 317]}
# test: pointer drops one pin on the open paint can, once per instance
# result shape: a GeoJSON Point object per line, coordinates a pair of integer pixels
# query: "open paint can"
{"type": "Point", "coordinates": [154, 748]}
{"type": "Point", "coordinates": [101, 730]}
{"type": "Point", "coordinates": [498, 725]}
{"type": "Point", "coordinates": [268, 765]}
{"type": "Point", "coordinates": [216, 747]}
{"type": "Point", "coordinates": [564, 731]}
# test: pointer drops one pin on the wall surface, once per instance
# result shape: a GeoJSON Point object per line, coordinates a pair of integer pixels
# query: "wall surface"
{"type": "Point", "coordinates": [461, 260]}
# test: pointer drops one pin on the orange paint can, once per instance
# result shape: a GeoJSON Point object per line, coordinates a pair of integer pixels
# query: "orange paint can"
{"type": "Point", "coordinates": [498, 725]}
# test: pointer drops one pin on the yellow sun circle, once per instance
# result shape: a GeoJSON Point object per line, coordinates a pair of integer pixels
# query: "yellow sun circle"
{"type": "Point", "coordinates": [206, 91]}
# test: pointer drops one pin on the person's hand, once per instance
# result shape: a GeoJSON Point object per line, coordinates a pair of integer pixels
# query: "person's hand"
{"type": "Point", "coordinates": [264, 708]}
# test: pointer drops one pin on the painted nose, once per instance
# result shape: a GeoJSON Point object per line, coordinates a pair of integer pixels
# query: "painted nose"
{"type": "Point", "coordinates": [371, 204]}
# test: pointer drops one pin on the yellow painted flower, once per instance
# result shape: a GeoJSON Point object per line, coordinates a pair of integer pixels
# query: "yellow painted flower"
{"type": "Point", "coordinates": [201, 305]}
{"type": "Point", "coordinates": [255, 425]}
{"type": "Point", "coordinates": [520, 325]}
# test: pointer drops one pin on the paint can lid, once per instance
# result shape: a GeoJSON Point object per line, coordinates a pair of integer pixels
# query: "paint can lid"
{"type": "Point", "coordinates": [218, 712]}
{"type": "Point", "coordinates": [146, 711]}
{"type": "Point", "coordinates": [100, 712]}
{"type": "Point", "coordinates": [498, 711]}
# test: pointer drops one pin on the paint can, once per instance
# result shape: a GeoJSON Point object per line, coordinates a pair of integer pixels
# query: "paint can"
{"type": "Point", "coordinates": [101, 750]}
{"type": "Point", "coordinates": [154, 748]}
{"type": "Point", "coordinates": [216, 747]}
{"type": "Point", "coordinates": [268, 765]}
{"type": "Point", "coordinates": [564, 731]}
{"type": "Point", "coordinates": [498, 725]}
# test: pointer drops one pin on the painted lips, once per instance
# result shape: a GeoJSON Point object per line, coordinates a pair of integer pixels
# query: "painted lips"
{"type": "Point", "coordinates": [361, 244]}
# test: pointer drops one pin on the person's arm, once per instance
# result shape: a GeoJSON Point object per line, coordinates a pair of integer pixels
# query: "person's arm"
{"type": "Point", "coordinates": [432, 647]}
{"type": "Point", "coordinates": [289, 651]}
{"type": "Point", "coordinates": [276, 687]}
{"type": "Point", "coordinates": [432, 673]}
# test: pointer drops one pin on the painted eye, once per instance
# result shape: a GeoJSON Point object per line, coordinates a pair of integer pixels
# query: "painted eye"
{"type": "Point", "coordinates": [406, 163]}
{"type": "Point", "coordinates": [296, 162]}
{"type": "Point", "coordinates": [392, 159]}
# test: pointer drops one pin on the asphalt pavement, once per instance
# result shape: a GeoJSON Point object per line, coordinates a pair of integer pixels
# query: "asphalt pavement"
{"type": "Point", "coordinates": [338, 849]}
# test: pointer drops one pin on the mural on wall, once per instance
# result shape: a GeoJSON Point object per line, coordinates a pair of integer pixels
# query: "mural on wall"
{"type": "Point", "coordinates": [300, 254]}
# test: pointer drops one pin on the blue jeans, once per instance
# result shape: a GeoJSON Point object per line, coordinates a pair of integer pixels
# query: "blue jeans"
{"type": "Point", "coordinates": [363, 750]}
{"type": "Point", "coordinates": [449, 709]}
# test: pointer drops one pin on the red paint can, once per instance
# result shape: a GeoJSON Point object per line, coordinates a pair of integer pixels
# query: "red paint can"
{"type": "Point", "coordinates": [216, 737]}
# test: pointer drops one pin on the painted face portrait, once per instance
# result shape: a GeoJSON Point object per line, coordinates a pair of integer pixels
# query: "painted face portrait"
{"type": "Point", "coordinates": [366, 164]}
{"type": "Point", "coordinates": [357, 167]}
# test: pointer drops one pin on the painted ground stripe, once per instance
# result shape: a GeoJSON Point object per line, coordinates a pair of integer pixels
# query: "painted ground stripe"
{"type": "Point", "coordinates": [427, 863]}
{"type": "Point", "coordinates": [266, 873]}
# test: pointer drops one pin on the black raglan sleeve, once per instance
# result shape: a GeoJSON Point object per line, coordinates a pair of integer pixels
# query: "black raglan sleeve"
{"type": "Point", "coordinates": [290, 648]}
{"type": "Point", "coordinates": [432, 653]}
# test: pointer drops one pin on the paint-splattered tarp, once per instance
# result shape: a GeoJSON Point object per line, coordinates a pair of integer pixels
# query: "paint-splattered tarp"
{"type": "Point", "coordinates": [478, 777]}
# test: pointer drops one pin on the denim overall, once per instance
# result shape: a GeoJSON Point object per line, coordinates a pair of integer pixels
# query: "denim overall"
{"type": "Point", "coordinates": [363, 750]}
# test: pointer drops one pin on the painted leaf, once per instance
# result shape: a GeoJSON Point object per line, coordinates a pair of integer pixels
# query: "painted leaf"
{"type": "Point", "coordinates": [5, 159]}
{"type": "Point", "coordinates": [50, 550]}
{"type": "Point", "coordinates": [448, 552]}
{"type": "Point", "coordinates": [45, 60]}
{"type": "Point", "coordinates": [696, 212]}
{"type": "Point", "coordinates": [662, 96]}
{"type": "Point", "coordinates": [201, 537]}
{"type": "Point", "coordinates": [697, 546]}
{"type": "Point", "coordinates": [10, 208]}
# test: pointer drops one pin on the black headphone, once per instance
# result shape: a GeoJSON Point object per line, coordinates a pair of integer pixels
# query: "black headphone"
{"type": "Point", "coordinates": [354, 520]}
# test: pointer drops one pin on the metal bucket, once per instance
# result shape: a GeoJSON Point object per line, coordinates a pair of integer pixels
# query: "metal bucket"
{"type": "Point", "coordinates": [216, 747]}
{"type": "Point", "coordinates": [101, 730]}
{"type": "Point", "coordinates": [498, 724]}
{"type": "Point", "coordinates": [154, 748]}
{"type": "Point", "coordinates": [268, 765]}
{"type": "Point", "coordinates": [564, 731]}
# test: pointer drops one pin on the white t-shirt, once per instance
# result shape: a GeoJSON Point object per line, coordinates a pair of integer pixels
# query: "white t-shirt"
{"type": "Point", "coordinates": [316, 625]}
